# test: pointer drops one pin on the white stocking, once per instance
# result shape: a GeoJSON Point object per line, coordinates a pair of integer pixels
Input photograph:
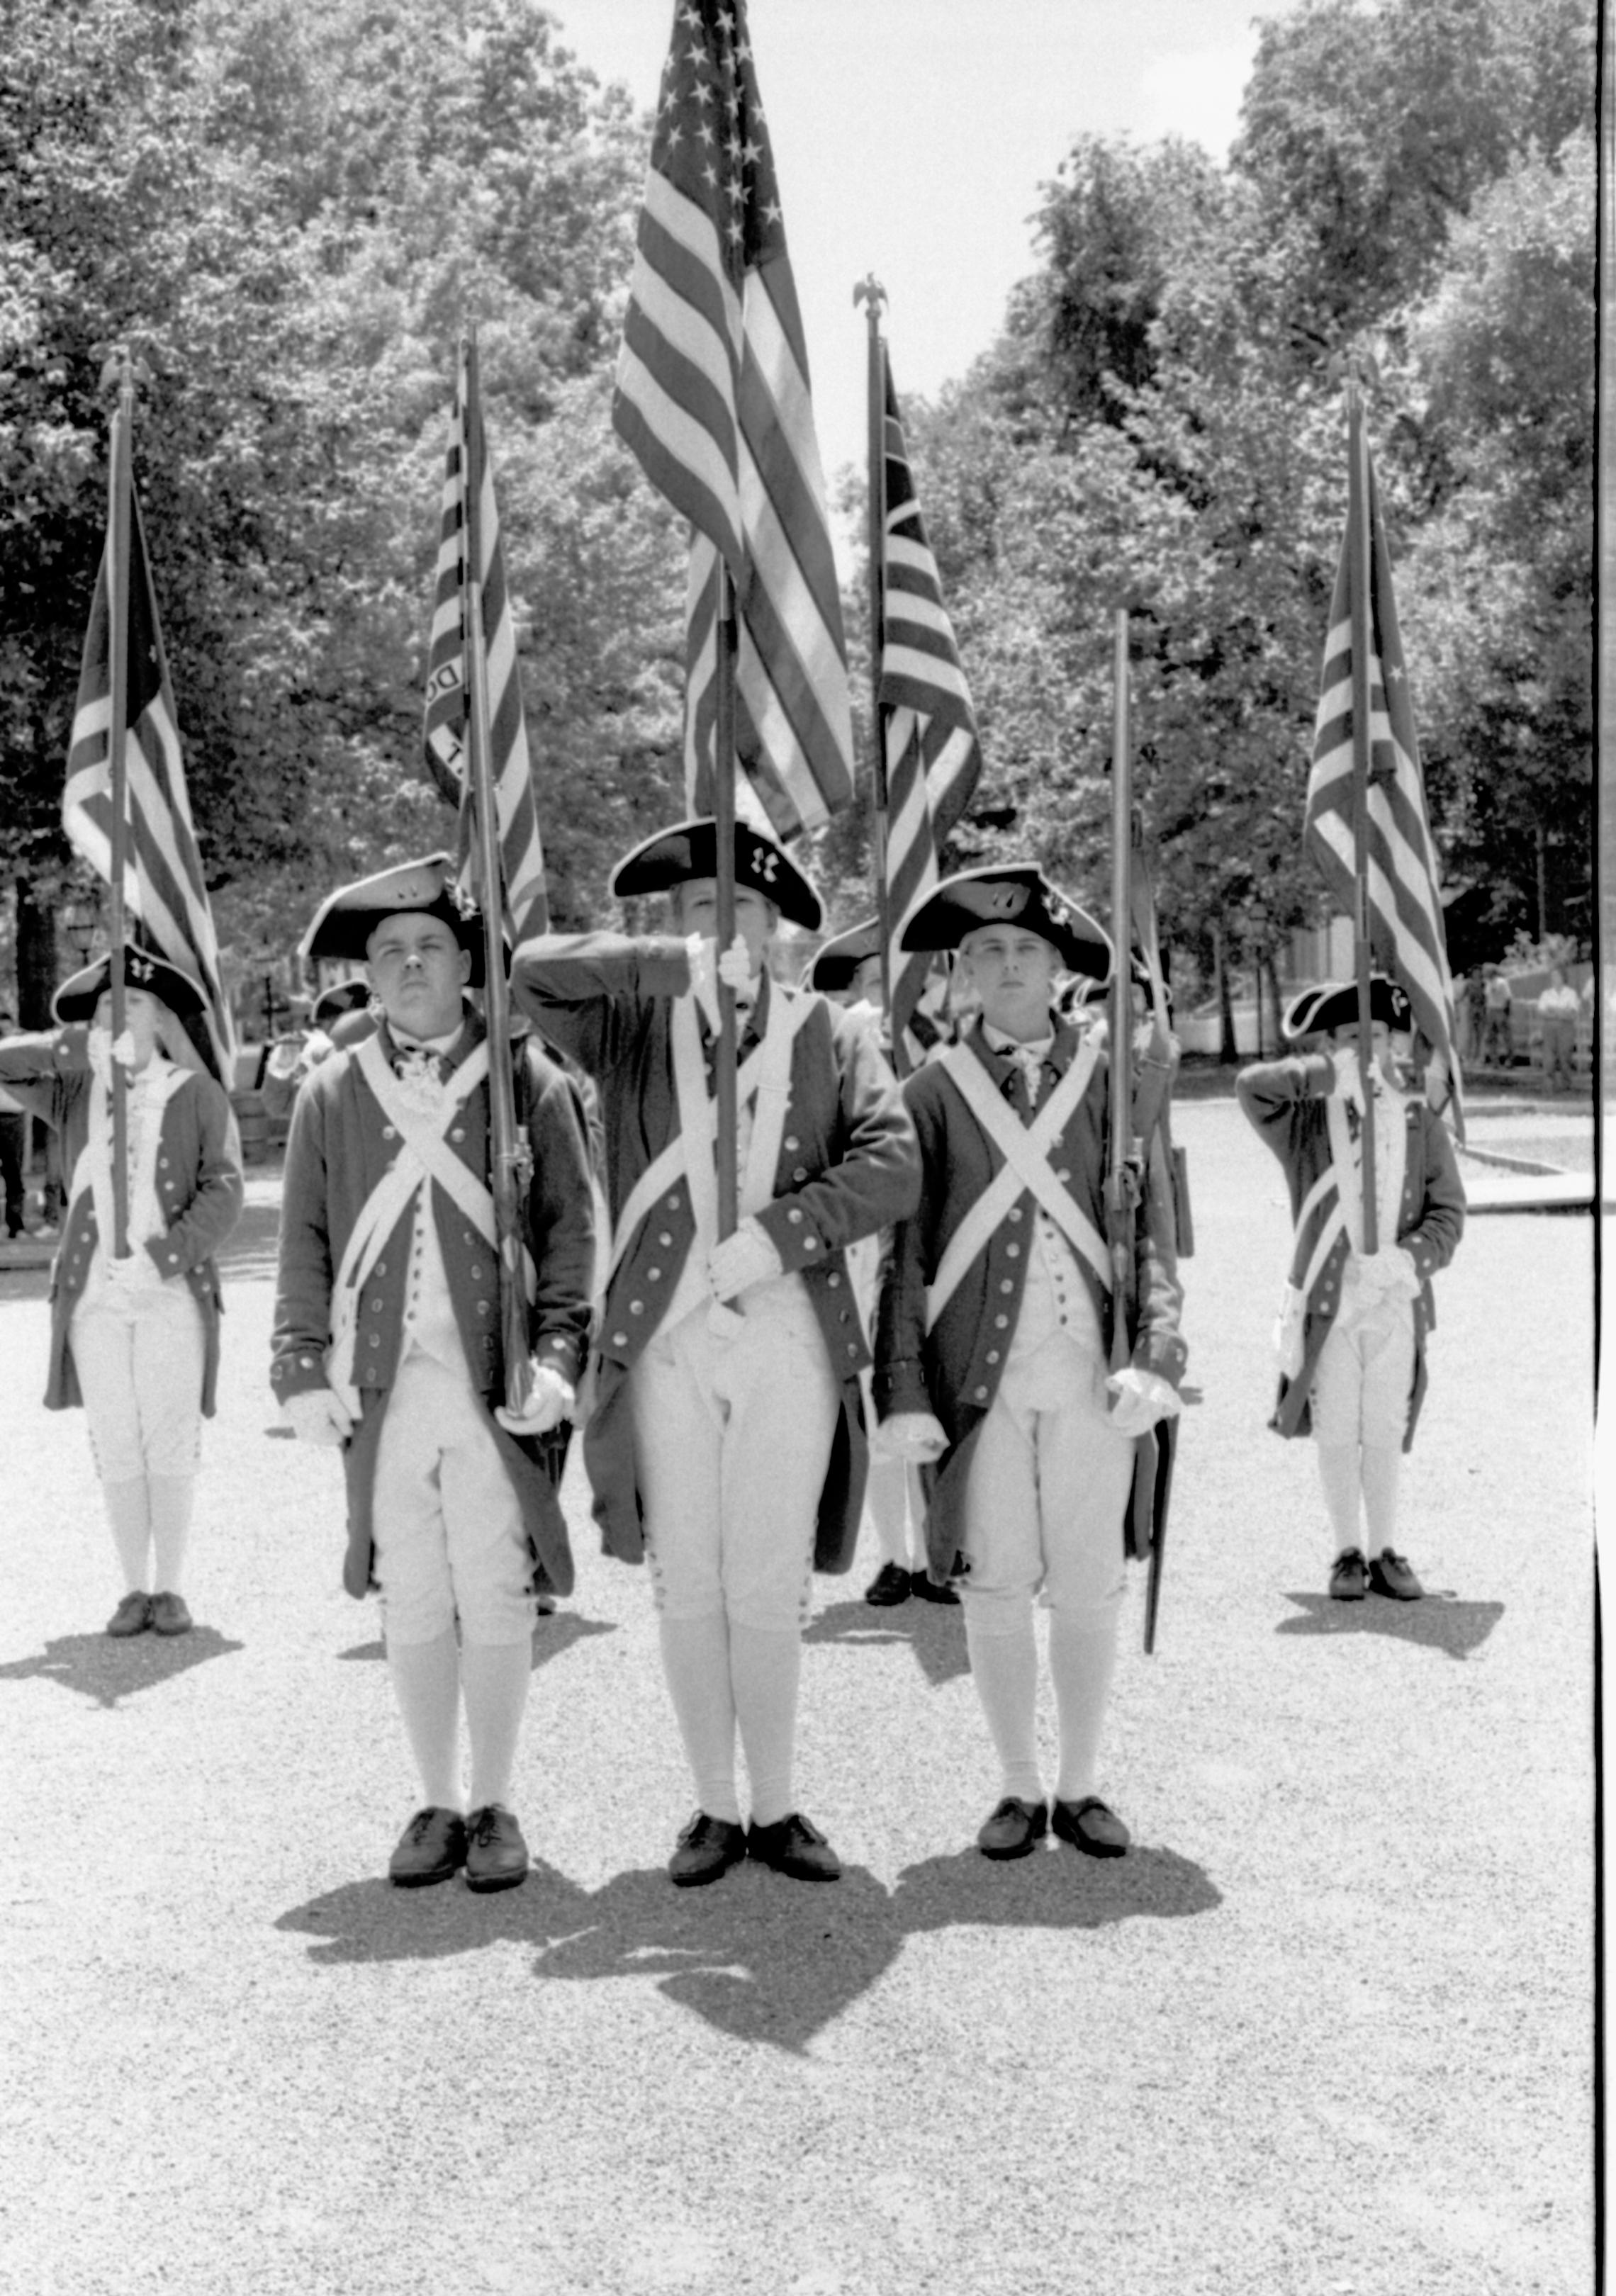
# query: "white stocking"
{"type": "Point", "coordinates": [695, 1660]}
{"type": "Point", "coordinates": [426, 1678]}
{"type": "Point", "coordinates": [1082, 1660]}
{"type": "Point", "coordinates": [171, 1498]}
{"type": "Point", "coordinates": [494, 1679]}
{"type": "Point", "coordinates": [1381, 1466]}
{"type": "Point", "coordinates": [1005, 1667]}
{"type": "Point", "coordinates": [129, 1513]}
{"type": "Point", "coordinates": [1338, 1471]}
{"type": "Point", "coordinates": [886, 1496]}
{"type": "Point", "coordinates": [764, 1667]}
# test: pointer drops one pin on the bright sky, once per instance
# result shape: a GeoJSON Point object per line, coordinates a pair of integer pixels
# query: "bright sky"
{"type": "Point", "coordinates": [911, 138]}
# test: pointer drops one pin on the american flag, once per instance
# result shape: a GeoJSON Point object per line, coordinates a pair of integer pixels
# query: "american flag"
{"type": "Point", "coordinates": [1405, 908]}
{"type": "Point", "coordinates": [712, 395]}
{"type": "Point", "coordinates": [933, 757]}
{"type": "Point", "coordinates": [163, 889]}
{"type": "Point", "coordinates": [468, 472]}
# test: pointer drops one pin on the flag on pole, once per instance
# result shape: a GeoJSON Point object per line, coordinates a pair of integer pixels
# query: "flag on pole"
{"type": "Point", "coordinates": [164, 889]}
{"type": "Point", "coordinates": [933, 757]}
{"type": "Point", "coordinates": [712, 396]}
{"type": "Point", "coordinates": [1405, 906]}
{"type": "Point", "coordinates": [467, 470]}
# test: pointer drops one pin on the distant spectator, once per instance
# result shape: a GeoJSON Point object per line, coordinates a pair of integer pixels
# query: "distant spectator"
{"type": "Point", "coordinates": [1495, 1045]}
{"type": "Point", "coordinates": [1557, 1015]}
{"type": "Point", "coordinates": [1472, 1015]}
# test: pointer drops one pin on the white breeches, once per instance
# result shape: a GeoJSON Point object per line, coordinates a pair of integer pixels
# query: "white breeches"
{"type": "Point", "coordinates": [1364, 1374]}
{"type": "Point", "coordinates": [140, 1365]}
{"type": "Point", "coordinates": [448, 1533]}
{"type": "Point", "coordinates": [732, 1437]}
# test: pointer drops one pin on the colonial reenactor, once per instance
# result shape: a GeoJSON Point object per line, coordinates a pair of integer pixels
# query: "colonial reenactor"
{"type": "Point", "coordinates": [725, 1441]}
{"type": "Point", "coordinates": [994, 1336]}
{"type": "Point", "coordinates": [135, 1340]}
{"type": "Point", "coordinates": [388, 1344]}
{"type": "Point", "coordinates": [848, 968]}
{"type": "Point", "coordinates": [1352, 1332]}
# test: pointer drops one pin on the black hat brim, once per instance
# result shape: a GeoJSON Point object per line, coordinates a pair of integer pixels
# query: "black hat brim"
{"type": "Point", "coordinates": [82, 991]}
{"type": "Point", "coordinates": [690, 851]}
{"type": "Point", "coordinates": [1020, 896]}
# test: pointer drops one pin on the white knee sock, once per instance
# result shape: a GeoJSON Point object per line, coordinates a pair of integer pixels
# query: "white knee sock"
{"type": "Point", "coordinates": [1082, 1660]}
{"type": "Point", "coordinates": [171, 1498]}
{"type": "Point", "coordinates": [764, 1667]}
{"type": "Point", "coordinates": [695, 1662]}
{"type": "Point", "coordinates": [1338, 1471]}
{"type": "Point", "coordinates": [1005, 1667]}
{"type": "Point", "coordinates": [494, 1678]}
{"type": "Point", "coordinates": [129, 1513]}
{"type": "Point", "coordinates": [1381, 1467]}
{"type": "Point", "coordinates": [886, 1495]}
{"type": "Point", "coordinates": [426, 1678]}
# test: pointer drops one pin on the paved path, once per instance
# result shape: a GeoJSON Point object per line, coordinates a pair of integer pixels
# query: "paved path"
{"type": "Point", "coordinates": [1328, 2030]}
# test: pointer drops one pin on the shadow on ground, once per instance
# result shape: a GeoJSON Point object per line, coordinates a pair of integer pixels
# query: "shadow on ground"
{"type": "Point", "coordinates": [106, 1671]}
{"type": "Point", "coordinates": [934, 1632]}
{"type": "Point", "coordinates": [1440, 1622]}
{"type": "Point", "coordinates": [250, 1251]}
{"type": "Point", "coordinates": [757, 1956]}
{"type": "Point", "coordinates": [551, 1637]}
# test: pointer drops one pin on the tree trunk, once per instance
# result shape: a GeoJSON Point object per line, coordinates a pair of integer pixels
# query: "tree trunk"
{"type": "Point", "coordinates": [36, 955]}
{"type": "Point", "coordinates": [1269, 1039]}
{"type": "Point", "coordinates": [1228, 1052]}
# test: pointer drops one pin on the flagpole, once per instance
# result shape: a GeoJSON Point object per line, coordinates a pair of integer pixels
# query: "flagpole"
{"type": "Point", "coordinates": [1121, 1000]}
{"type": "Point", "coordinates": [872, 295]}
{"type": "Point", "coordinates": [509, 1157]}
{"type": "Point", "coordinates": [724, 831]}
{"type": "Point", "coordinates": [1357, 586]}
{"type": "Point", "coordinates": [118, 678]}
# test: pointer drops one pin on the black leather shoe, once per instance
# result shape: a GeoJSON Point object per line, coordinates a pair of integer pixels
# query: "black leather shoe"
{"type": "Point", "coordinates": [1390, 1574]}
{"type": "Point", "coordinates": [888, 1587]}
{"type": "Point", "coordinates": [168, 1615]}
{"type": "Point", "coordinates": [1349, 1576]}
{"type": "Point", "coordinates": [793, 1847]}
{"type": "Point", "coordinates": [133, 1616]}
{"type": "Point", "coordinates": [707, 1848]}
{"type": "Point", "coordinates": [496, 1855]}
{"type": "Point", "coordinates": [1014, 1827]}
{"type": "Point", "coordinates": [1090, 1826]}
{"type": "Point", "coordinates": [431, 1849]}
{"type": "Point", "coordinates": [926, 1586]}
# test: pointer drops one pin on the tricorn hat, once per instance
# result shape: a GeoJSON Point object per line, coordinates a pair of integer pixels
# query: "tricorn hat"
{"type": "Point", "coordinates": [80, 994]}
{"type": "Point", "coordinates": [690, 848]}
{"type": "Point", "coordinates": [345, 920]}
{"type": "Point", "coordinates": [833, 970]}
{"type": "Point", "coordinates": [1334, 1005]}
{"type": "Point", "coordinates": [1015, 892]}
{"type": "Point", "coordinates": [345, 997]}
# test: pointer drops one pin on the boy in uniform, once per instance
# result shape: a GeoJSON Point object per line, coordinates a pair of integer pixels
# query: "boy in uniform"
{"type": "Point", "coordinates": [1351, 1337]}
{"type": "Point", "coordinates": [388, 1344]}
{"type": "Point", "coordinates": [725, 1440]}
{"type": "Point", "coordinates": [993, 1353]}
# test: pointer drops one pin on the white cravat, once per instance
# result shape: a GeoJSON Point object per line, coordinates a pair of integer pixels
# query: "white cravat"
{"type": "Point", "coordinates": [1029, 1057]}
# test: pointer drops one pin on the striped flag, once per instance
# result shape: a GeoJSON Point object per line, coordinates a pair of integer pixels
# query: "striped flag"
{"type": "Point", "coordinates": [933, 757]}
{"type": "Point", "coordinates": [163, 891]}
{"type": "Point", "coordinates": [712, 395]}
{"type": "Point", "coordinates": [1405, 906]}
{"type": "Point", "coordinates": [467, 471]}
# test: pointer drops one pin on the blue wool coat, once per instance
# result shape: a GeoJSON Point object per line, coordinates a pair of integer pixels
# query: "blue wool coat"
{"type": "Point", "coordinates": [200, 1190]}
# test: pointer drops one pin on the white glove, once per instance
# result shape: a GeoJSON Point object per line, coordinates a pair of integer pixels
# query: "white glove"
{"type": "Point", "coordinates": [707, 969]}
{"type": "Point", "coordinates": [319, 1416]}
{"type": "Point", "coordinates": [912, 1435]}
{"type": "Point", "coordinates": [1139, 1399]}
{"type": "Point", "coordinates": [736, 966]}
{"type": "Point", "coordinates": [1349, 1076]}
{"type": "Point", "coordinates": [104, 1048]}
{"type": "Point", "coordinates": [138, 1272]}
{"type": "Point", "coordinates": [550, 1400]}
{"type": "Point", "coordinates": [741, 1260]}
{"type": "Point", "coordinates": [1389, 1272]}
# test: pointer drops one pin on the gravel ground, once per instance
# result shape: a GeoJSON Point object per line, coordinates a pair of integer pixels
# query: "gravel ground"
{"type": "Point", "coordinates": [1328, 2030]}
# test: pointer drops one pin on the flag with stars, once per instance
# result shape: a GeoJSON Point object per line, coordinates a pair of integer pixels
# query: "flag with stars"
{"type": "Point", "coordinates": [1405, 906]}
{"type": "Point", "coordinates": [164, 890]}
{"type": "Point", "coordinates": [712, 395]}
{"type": "Point", "coordinates": [467, 474]}
{"type": "Point", "coordinates": [933, 757]}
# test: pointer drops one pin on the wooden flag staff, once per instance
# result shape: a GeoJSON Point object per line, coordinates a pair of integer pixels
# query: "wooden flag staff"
{"type": "Point", "coordinates": [1357, 544]}
{"type": "Point", "coordinates": [510, 1158]}
{"type": "Point", "coordinates": [117, 704]}
{"type": "Point", "coordinates": [870, 293]}
{"type": "Point", "coordinates": [723, 831]}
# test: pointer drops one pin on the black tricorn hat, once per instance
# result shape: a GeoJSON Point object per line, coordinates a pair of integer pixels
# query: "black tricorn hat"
{"type": "Point", "coordinates": [78, 994]}
{"type": "Point", "coordinates": [690, 848]}
{"type": "Point", "coordinates": [345, 920]}
{"type": "Point", "coordinates": [1013, 892]}
{"type": "Point", "coordinates": [1335, 1006]}
{"type": "Point", "coordinates": [345, 997]}
{"type": "Point", "coordinates": [833, 970]}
